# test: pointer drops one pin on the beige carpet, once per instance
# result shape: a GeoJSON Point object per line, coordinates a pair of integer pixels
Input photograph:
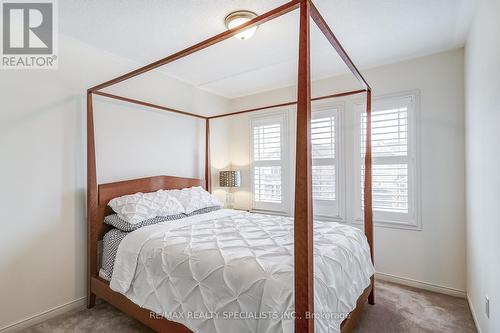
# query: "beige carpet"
{"type": "Point", "coordinates": [399, 309]}
{"type": "Point", "coordinates": [405, 309]}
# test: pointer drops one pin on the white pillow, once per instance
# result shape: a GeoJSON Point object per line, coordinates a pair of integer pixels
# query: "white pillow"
{"type": "Point", "coordinates": [194, 198]}
{"type": "Point", "coordinates": [139, 207]}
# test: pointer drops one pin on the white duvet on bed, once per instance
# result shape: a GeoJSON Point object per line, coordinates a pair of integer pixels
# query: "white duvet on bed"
{"type": "Point", "coordinates": [232, 272]}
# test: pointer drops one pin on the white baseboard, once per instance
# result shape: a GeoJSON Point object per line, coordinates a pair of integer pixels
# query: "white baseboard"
{"type": "Point", "coordinates": [474, 317]}
{"type": "Point", "coordinates": [38, 318]}
{"type": "Point", "coordinates": [422, 285]}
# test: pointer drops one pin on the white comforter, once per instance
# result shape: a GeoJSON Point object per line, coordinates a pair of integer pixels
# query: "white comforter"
{"type": "Point", "coordinates": [232, 272]}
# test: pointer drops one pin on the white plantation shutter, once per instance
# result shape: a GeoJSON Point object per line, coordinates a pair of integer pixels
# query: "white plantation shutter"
{"type": "Point", "coordinates": [267, 142]}
{"type": "Point", "coordinates": [394, 149]}
{"type": "Point", "coordinates": [393, 167]}
{"type": "Point", "coordinates": [324, 158]}
{"type": "Point", "coordinates": [267, 184]}
{"type": "Point", "coordinates": [268, 146]}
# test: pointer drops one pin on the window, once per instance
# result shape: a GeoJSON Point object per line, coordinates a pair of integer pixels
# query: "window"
{"type": "Point", "coordinates": [324, 138]}
{"type": "Point", "coordinates": [269, 142]}
{"type": "Point", "coordinates": [338, 149]}
{"type": "Point", "coordinates": [393, 159]}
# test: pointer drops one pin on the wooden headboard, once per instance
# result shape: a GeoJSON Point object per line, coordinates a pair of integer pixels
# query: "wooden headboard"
{"type": "Point", "coordinates": [106, 192]}
{"type": "Point", "coordinates": [109, 191]}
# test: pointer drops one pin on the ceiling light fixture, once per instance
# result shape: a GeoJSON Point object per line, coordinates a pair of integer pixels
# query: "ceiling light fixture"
{"type": "Point", "coordinates": [238, 18]}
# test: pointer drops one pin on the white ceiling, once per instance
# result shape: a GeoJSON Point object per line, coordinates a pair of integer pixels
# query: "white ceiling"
{"type": "Point", "coordinates": [373, 33]}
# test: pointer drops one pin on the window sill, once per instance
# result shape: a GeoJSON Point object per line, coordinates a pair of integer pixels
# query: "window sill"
{"type": "Point", "coordinates": [357, 222]}
{"type": "Point", "coordinates": [391, 224]}
{"type": "Point", "coordinates": [325, 218]}
{"type": "Point", "coordinates": [317, 217]}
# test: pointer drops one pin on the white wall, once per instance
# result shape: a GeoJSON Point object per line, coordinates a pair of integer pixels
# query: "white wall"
{"type": "Point", "coordinates": [42, 168]}
{"type": "Point", "coordinates": [482, 59]}
{"type": "Point", "coordinates": [435, 255]}
{"type": "Point", "coordinates": [219, 154]}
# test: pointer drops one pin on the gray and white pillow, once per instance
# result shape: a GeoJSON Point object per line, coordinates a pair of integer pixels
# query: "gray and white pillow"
{"type": "Point", "coordinates": [117, 222]}
{"type": "Point", "coordinates": [139, 207]}
{"type": "Point", "coordinates": [194, 198]}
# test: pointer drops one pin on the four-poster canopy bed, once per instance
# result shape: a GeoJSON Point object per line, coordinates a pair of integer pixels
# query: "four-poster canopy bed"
{"type": "Point", "coordinates": [99, 195]}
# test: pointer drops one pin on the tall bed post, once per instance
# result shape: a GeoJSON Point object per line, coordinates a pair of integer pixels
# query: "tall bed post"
{"type": "Point", "coordinates": [368, 211]}
{"type": "Point", "coordinates": [368, 214]}
{"type": "Point", "coordinates": [303, 221]}
{"type": "Point", "coordinates": [92, 201]}
{"type": "Point", "coordinates": [208, 169]}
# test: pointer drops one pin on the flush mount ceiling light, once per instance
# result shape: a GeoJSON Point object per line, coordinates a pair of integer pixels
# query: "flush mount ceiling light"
{"type": "Point", "coordinates": [238, 18]}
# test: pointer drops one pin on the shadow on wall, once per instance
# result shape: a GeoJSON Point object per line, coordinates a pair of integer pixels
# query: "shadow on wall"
{"type": "Point", "coordinates": [44, 263]}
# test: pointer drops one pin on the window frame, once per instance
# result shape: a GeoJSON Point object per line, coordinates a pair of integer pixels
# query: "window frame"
{"type": "Point", "coordinates": [411, 220]}
{"type": "Point", "coordinates": [319, 110]}
{"type": "Point", "coordinates": [280, 117]}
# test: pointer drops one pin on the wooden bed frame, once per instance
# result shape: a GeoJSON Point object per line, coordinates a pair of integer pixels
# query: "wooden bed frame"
{"type": "Point", "coordinates": [98, 196]}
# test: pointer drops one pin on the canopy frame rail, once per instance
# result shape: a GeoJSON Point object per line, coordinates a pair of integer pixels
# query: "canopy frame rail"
{"type": "Point", "coordinates": [303, 217]}
{"type": "Point", "coordinates": [185, 113]}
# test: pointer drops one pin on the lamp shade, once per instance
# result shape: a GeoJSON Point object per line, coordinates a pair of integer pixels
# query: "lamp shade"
{"type": "Point", "coordinates": [229, 179]}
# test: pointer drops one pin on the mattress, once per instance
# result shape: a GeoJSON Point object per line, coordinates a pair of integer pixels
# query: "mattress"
{"type": "Point", "coordinates": [232, 271]}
